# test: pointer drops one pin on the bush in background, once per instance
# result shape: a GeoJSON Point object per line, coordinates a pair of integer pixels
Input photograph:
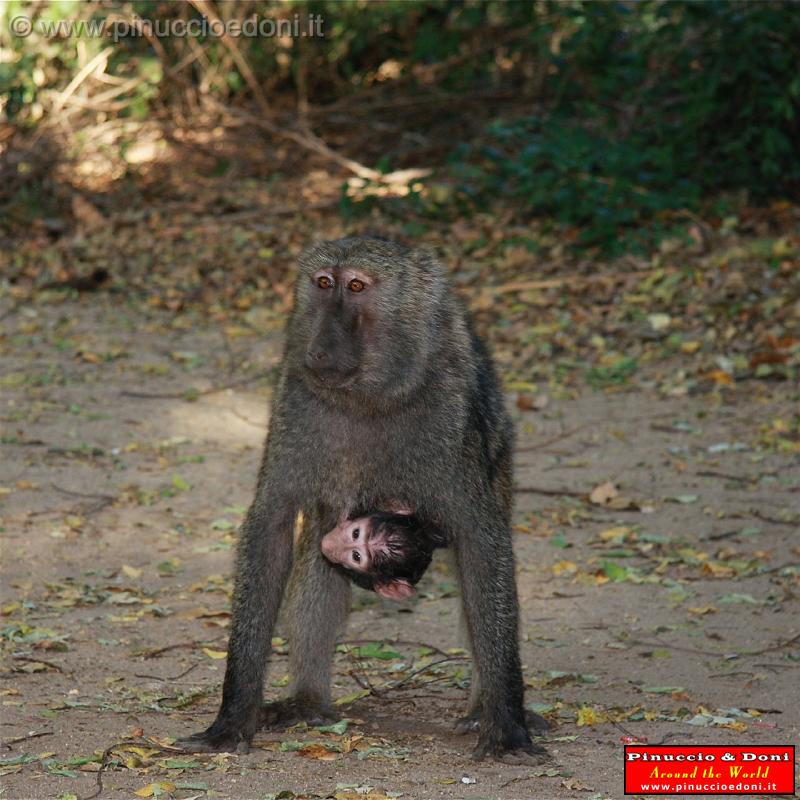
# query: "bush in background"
{"type": "Point", "coordinates": [615, 118]}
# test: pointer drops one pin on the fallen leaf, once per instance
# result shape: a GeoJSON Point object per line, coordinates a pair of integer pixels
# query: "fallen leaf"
{"type": "Point", "coordinates": [702, 611]}
{"type": "Point", "coordinates": [617, 534]}
{"type": "Point", "coordinates": [683, 499]}
{"type": "Point", "coordinates": [720, 377]}
{"type": "Point", "coordinates": [659, 322]}
{"type": "Point", "coordinates": [587, 716]}
{"type": "Point", "coordinates": [575, 785]}
{"type": "Point", "coordinates": [351, 698]}
{"type": "Point", "coordinates": [601, 494]}
{"type": "Point", "coordinates": [155, 789]}
{"type": "Point", "coordinates": [318, 752]}
{"type": "Point", "coordinates": [131, 572]}
{"type": "Point", "coordinates": [564, 567]}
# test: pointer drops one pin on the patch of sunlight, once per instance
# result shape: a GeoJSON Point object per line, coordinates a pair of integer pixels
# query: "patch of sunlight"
{"type": "Point", "coordinates": [226, 418]}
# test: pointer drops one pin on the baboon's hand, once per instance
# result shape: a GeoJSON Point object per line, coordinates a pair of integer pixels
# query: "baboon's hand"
{"type": "Point", "coordinates": [211, 741]}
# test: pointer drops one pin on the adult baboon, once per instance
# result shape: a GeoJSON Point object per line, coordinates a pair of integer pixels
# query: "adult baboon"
{"type": "Point", "coordinates": [386, 395]}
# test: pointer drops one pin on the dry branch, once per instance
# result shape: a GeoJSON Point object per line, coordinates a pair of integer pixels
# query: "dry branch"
{"type": "Point", "coordinates": [567, 280]}
{"type": "Point", "coordinates": [206, 8]}
{"type": "Point", "coordinates": [97, 63]}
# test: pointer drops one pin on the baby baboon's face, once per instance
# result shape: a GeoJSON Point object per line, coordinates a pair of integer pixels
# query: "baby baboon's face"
{"type": "Point", "coordinates": [353, 543]}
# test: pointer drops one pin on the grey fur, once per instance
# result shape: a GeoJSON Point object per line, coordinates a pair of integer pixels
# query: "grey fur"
{"type": "Point", "coordinates": [423, 423]}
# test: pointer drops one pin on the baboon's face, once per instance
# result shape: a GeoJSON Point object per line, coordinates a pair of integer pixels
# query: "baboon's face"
{"type": "Point", "coordinates": [342, 300]}
{"type": "Point", "coordinates": [353, 543]}
{"type": "Point", "coordinates": [365, 320]}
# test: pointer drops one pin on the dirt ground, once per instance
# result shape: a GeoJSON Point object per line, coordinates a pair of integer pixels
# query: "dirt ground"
{"type": "Point", "coordinates": [667, 613]}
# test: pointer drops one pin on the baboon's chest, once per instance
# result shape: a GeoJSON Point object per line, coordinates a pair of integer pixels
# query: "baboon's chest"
{"type": "Point", "coordinates": [383, 458]}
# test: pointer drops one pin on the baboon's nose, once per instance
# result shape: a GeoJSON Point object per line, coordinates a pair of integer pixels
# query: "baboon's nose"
{"type": "Point", "coordinates": [330, 365]}
{"type": "Point", "coordinates": [318, 359]}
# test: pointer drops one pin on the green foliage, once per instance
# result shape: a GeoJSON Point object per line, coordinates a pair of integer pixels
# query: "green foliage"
{"type": "Point", "coordinates": [614, 374]}
{"type": "Point", "coordinates": [717, 81]}
{"type": "Point", "coordinates": [65, 35]}
{"type": "Point", "coordinates": [654, 106]}
{"type": "Point", "coordinates": [581, 178]}
{"type": "Point", "coordinates": [623, 115]}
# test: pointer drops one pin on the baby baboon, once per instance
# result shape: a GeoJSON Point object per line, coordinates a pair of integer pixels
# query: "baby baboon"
{"type": "Point", "coordinates": [385, 392]}
{"type": "Point", "coordinates": [385, 552]}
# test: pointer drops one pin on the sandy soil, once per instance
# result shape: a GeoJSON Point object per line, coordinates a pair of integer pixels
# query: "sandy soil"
{"type": "Point", "coordinates": [118, 514]}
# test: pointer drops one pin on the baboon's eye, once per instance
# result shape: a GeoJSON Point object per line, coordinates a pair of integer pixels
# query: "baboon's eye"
{"type": "Point", "coordinates": [324, 282]}
{"type": "Point", "coordinates": [356, 556]}
{"type": "Point", "coordinates": [356, 285]}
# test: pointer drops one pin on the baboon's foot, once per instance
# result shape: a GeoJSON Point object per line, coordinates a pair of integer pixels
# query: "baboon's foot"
{"type": "Point", "coordinates": [472, 723]}
{"type": "Point", "coordinates": [294, 710]}
{"type": "Point", "coordinates": [215, 740]}
{"type": "Point", "coordinates": [510, 746]}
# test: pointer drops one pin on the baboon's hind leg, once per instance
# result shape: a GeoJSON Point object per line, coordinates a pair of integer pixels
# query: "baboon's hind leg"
{"type": "Point", "coordinates": [317, 606]}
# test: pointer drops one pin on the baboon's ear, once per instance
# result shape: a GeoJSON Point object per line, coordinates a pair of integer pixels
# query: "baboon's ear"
{"type": "Point", "coordinates": [395, 590]}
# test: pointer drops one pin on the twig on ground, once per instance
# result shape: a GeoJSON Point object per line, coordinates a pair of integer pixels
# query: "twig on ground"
{"type": "Point", "coordinates": [772, 520]}
{"type": "Point", "coordinates": [147, 654]}
{"type": "Point", "coordinates": [35, 660]}
{"type": "Point", "coordinates": [406, 678]}
{"type": "Point", "coordinates": [362, 680]}
{"type": "Point", "coordinates": [710, 473]}
{"type": "Point", "coordinates": [31, 735]}
{"type": "Point", "coordinates": [398, 642]}
{"type": "Point", "coordinates": [104, 761]}
{"type": "Point", "coordinates": [99, 778]}
{"type": "Point", "coordinates": [568, 280]}
{"type": "Point", "coordinates": [551, 492]}
{"type": "Point", "coordinates": [731, 674]}
{"type": "Point", "coordinates": [773, 648]}
{"type": "Point", "coordinates": [168, 678]}
{"type": "Point", "coordinates": [668, 646]}
{"type": "Point", "coordinates": [716, 537]}
{"type": "Point", "coordinates": [101, 500]}
{"type": "Point", "coordinates": [88, 495]}
{"type": "Point", "coordinates": [547, 442]}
